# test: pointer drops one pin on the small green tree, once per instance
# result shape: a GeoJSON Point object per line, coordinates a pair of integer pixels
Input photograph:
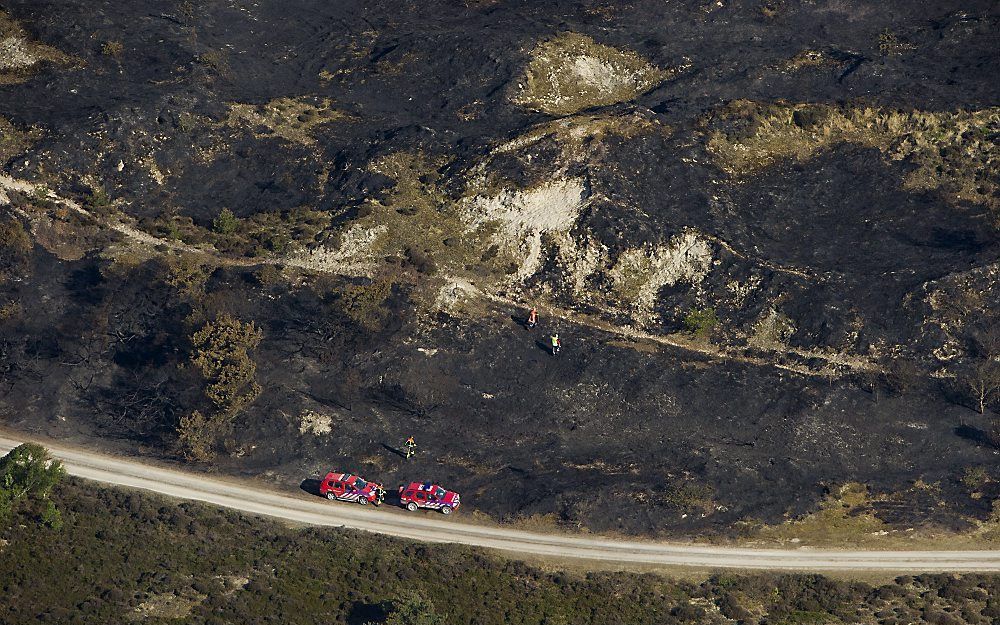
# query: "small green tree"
{"type": "Point", "coordinates": [226, 222]}
{"type": "Point", "coordinates": [700, 323]}
{"type": "Point", "coordinates": [412, 608]}
{"type": "Point", "coordinates": [28, 472]}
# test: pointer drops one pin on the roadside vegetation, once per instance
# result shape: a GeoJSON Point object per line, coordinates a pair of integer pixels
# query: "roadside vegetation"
{"type": "Point", "coordinates": [137, 557]}
{"type": "Point", "coordinates": [221, 353]}
{"type": "Point", "coordinates": [27, 477]}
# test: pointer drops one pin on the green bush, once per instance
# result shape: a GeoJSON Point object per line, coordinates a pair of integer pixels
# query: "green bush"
{"type": "Point", "coordinates": [28, 473]}
{"type": "Point", "coordinates": [701, 323]}
{"type": "Point", "coordinates": [226, 222]}
{"type": "Point", "coordinates": [222, 353]}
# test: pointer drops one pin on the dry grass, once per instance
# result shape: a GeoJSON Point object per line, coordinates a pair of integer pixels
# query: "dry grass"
{"type": "Point", "coordinates": [836, 522]}
{"type": "Point", "coordinates": [846, 519]}
{"type": "Point", "coordinates": [571, 72]}
{"type": "Point", "coordinates": [809, 59]}
{"type": "Point", "coordinates": [292, 119]}
{"type": "Point", "coordinates": [955, 152]}
{"type": "Point", "coordinates": [416, 224]}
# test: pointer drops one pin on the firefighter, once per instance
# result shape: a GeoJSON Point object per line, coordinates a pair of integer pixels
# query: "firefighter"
{"type": "Point", "coordinates": [532, 318]}
{"type": "Point", "coordinates": [556, 343]}
{"type": "Point", "coordinates": [411, 446]}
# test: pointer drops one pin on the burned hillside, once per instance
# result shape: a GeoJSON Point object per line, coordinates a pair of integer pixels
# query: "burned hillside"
{"type": "Point", "coordinates": [765, 232]}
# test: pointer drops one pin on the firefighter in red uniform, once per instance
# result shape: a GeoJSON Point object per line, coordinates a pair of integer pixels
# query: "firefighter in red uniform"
{"type": "Point", "coordinates": [532, 317]}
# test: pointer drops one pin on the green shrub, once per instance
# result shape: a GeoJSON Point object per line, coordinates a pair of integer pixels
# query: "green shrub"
{"type": "Point", "coordinates": [222, 353]}
{"type": "Point", "coordinates": [365, 303]}
{"type": "Point", "coordinates": [195, 437]}
{"type": "Point", "coordinates": [15, 243]}
{"type": "Point", "coordinates": [98, 201]}
{"type": "Point", "coordinates": [701, 323]}
{"type": "Point", "coordinates": [27, 472]}
{"type": "Point", "coordinates": [412, 608]}
{"type": "Point", "coordinates": [226, 222]}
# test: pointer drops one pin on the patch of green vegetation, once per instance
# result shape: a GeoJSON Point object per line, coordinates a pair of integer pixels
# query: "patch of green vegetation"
{"type": "Point", "coordinates": [842, 518]}
{"type": "Point", "coordinates": [216, 60]}
{"type": "Point", "coordinates": [222, 353]}
{"type": "Point", "coordinates": [15, 248]}
{"type": "Point", "coordinates": [701, 323]}
{"type": "Point", "coordinates": [417, 223]}
{"type": "Point", "coordinates": [27, 476]}
{"type": "Point", "coordinates": [292, 119]}
{"type": "Point", "coordinates": [226, 222]}
{"type": "Point", "coordinates": [809, 59]}
{"type": "Point", "coordinates": [98, 201]}
{"type": "Point", "coordinates": [255, 236]}
{"type": "Point", "coordinates": [571, 72]}
{"type": "Point", "coordinates": [188, 274]}
{"type": "Point", "coordinates": [691, 497]}
{"type": "Point", "coordinates": [10, 310]}
{"type": "Point", "coordinates": [975, 478]}
{"type": "Point", "coordinates": [802, 617]}
{"type": "Point", "coordinates": [226, 567]}
{"type": "Point", "coordinates": [956, 153]}
{"type": "Point", "coordinates": [365, 303]}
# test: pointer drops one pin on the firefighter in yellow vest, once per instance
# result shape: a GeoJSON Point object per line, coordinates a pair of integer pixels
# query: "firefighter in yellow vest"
{"type": "Point", "coordinates": [411, 446]}
{"type": "Point", "coordinates": [556, 344]}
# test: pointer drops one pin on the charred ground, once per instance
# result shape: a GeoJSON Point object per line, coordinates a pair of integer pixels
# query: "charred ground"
{"type": "Point", "coordinates": [769, 244]}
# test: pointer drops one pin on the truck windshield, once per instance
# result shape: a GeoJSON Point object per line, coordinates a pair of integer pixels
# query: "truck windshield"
{"type": "Point", "coordinates": [360, 484]}
{"type": "Point", "coordinates": [439, 492]}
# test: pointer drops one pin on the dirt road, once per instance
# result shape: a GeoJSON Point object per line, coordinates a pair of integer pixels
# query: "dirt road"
{"type": "Point", "coordinates": [434, 527]}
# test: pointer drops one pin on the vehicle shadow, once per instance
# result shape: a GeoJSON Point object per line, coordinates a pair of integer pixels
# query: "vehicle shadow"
{"type": "Point", "coordinates": [545, 347]}
{"type": "Point", "coordinates": [311, 486]}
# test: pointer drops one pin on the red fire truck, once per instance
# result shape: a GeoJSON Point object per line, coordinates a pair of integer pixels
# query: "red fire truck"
{"type": "Point", "coordinates": [428, 495]}
{"type": "Point", "coordinates": [347, 487]}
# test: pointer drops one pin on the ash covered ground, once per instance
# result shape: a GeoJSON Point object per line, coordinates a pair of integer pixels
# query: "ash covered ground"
{"type": "Point", "coordinates": [272, 240]}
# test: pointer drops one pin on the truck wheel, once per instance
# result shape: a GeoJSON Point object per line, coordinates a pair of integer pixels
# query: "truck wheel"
{"type": "Point", "coordinates": [362, 501]}
{"type": "Point", "coordinates": [330, 495]}
{"type": "Point", "coordinates": [412, 507]}
{"type": "Point", "coordinates": [446, 510]}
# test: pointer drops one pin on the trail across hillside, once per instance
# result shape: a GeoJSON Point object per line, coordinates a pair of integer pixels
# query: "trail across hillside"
{"type": "Point", "coordinates": [834, 360]}
{"type": "Point", "coordinates": [433, 527]}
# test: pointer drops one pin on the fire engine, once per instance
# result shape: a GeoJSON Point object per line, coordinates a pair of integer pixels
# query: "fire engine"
{"type": "Point", "coordinates": [347, 487]}
{"type": "Point", "coordinates": [428, 495]}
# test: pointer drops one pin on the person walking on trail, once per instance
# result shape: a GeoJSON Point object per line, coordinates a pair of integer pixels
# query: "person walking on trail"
{"type": "Point", "coordinates": [411, 446]}
{"type": "Point", "coordinates": [556, 344]}
{"type": "Point", "coordinates": [532, 317]}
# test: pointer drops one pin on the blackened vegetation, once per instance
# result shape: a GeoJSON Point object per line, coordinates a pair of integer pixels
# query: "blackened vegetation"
{"type": "Point", "coordinates": [208, 565]}
{"type": "Point", "coordinates": [254, 132]}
